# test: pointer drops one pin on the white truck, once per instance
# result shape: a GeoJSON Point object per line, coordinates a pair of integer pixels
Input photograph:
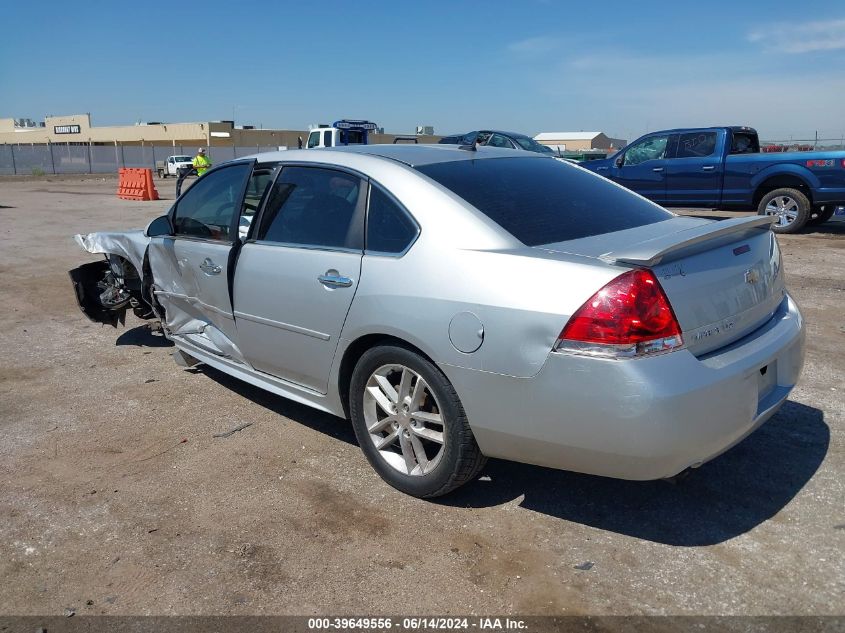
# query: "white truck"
{"type": "Point", "coordinates": [173, 164]}
{"type": "Point", "coordinates": [343, 132]}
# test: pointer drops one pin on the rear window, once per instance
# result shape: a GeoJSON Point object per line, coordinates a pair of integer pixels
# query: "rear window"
{"type": "Point", "coordinates": [542, 200]}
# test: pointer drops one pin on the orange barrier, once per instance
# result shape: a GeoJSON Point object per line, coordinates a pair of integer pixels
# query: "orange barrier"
{"type": "Point", "coordinates": [136, 184]}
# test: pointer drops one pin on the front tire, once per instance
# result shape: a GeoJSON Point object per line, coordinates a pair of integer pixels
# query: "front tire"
{"type": "Point", "coordinates": [410, 423]}
{"type": "Point", "coordinates": [790, 206]}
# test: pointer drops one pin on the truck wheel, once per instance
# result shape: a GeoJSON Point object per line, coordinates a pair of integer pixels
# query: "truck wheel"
{"type": "Point", "coordinates": [410, 423]}
{"type": "Point", "coordinates": [823, 214]}
{"type": "Point", "coordinates": [789, 206]}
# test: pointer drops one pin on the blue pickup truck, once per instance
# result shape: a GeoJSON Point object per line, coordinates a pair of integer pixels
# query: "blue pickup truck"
{"type": "Point", "coordinates": [723, 168]}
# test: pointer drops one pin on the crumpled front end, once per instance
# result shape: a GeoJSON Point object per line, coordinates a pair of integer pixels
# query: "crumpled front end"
{"type": "Point", "coordinates": [131, 245]}
{"type": "Point", "coordinates": [106, 289]}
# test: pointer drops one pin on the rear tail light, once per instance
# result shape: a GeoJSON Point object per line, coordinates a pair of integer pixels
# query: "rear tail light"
{"type": "Point", "coordinates": [629, 317]}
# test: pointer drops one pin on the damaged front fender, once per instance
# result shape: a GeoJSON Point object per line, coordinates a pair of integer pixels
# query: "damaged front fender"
{"type": "Point", "coordinates": [104, 290]}
{"type": "Point", "coordinates": [130, 245]}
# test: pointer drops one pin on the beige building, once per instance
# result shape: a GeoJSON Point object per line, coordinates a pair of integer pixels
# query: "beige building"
{"type": "Point", "coordinates": [579, 141]}
{"type": "Point", "coordinates": [77, 129]}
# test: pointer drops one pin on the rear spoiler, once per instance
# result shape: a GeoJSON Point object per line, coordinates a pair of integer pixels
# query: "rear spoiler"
{"type": "Point", "coordinates": [686, 242]}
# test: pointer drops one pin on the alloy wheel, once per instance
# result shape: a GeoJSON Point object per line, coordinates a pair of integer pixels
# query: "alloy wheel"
{"type": "Point", "coordinates": [785, 208]}
{"type": "Point", "coordinates": [404, 420]}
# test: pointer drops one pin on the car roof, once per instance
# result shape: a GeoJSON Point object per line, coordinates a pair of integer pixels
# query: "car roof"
{"type": "Point", "coordinates": [411, 155]}
{"type": "Point", "coordinates": [511, 134]}
{"type": "Point", "coordinates": [488, 131]}
{"type": "Point", "coordinates": [733, 128]}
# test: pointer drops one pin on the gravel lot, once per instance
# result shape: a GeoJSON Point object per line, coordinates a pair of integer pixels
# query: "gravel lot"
{"type": "Point", "coordinates": [116, 498]}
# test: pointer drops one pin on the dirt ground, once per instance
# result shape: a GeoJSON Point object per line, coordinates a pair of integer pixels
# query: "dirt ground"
{"type": "Point", "coordinates": [115, 498]}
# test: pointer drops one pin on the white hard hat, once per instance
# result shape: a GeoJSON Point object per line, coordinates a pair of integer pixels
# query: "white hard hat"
{"type": "Point", "coordinates": [201, 150]}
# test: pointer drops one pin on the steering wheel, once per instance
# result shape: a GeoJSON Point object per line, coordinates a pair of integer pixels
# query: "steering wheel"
{"type": "Point", "coordinates": [189, 226]}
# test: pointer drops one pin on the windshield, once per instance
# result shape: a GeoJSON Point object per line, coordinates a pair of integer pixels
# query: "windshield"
{"type": "Point", "coordinates": [540, 200]}
{"type": "Point", "coordinates": [532, 146]}
{"type": "Point", "coordinates": [182, 159]}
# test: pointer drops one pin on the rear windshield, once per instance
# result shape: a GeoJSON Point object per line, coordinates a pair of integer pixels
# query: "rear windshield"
{"type": "Point", "coordinates": [542, 200]}
{"type": "Point", "coordinates": [531, 145]}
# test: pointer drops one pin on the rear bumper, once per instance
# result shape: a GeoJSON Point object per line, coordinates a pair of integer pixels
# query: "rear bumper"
{"type": "Point", "coordinates": [636, 419]}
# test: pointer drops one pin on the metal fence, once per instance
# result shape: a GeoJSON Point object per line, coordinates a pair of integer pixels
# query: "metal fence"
{"type": "Point", "coordinates": [102, 159]}
{"type": "Point", "coordinates": [802, 145]}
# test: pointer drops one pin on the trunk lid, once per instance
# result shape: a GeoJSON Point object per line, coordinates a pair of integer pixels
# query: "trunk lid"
{"type": "Point", "coordinates": [723, 279]}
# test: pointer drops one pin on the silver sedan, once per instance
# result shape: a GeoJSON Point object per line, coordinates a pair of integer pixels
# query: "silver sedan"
{"type": "Point", "coordinates": [459, 303]}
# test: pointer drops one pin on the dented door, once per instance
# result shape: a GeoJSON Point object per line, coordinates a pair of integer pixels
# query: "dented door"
{"type": "Point", "coordinates": [191, 268]}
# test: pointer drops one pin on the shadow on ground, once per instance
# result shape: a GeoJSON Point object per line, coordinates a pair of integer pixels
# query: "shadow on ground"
{"type": "Point", "coordinates": [143, 336]}
{"type": "Point", "coordinates": [826, 228]}
{"type": "Point", "coordinates": [721, 500]}
{"type": "Point", "coordinates": [322, 422]}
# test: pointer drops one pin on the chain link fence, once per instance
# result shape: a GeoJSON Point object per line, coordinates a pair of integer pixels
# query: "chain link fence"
{"type": "Point", "coordinates": [103, 159]}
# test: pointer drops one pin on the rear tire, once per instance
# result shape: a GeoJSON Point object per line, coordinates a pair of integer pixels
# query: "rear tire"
{"type": "Point", "coordinates": [790, 206]}
{"type": "Point", "coordinates": [429, 417]}
{"type": "Point", "coordinates": [822, 215]}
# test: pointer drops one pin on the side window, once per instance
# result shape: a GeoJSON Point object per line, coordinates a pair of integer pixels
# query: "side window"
{"type": "Point", "coordinates": [327, 138]}
{"type": "Point", "coordinates": [259, 182]}
{"type": "Point", "coordinates": [389, 229]}
{"type": "Point", "coordinates": [696, 145]}
{"type": "Point", "coordinates": [209, 206]}
{"type": "Point", "coordinates": [651, 148]}
{"type": "Point", "coordinates": [313, 139]}
{"type": "Point", "coordinates": [312, 206]}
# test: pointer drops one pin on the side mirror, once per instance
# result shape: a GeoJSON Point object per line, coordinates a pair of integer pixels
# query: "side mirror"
{"type": "Point", "coordinates": [159, 227]}
{"type": "Point", "coordinates": [619, 160]}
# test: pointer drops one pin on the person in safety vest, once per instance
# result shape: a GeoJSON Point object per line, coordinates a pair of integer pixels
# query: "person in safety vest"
{"type": "Point", "coordinates": [201, 162]}
{"type": "Point", "coordinates": [199, 166]}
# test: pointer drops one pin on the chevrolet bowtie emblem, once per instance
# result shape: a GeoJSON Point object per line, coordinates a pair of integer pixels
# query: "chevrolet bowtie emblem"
{"type": "Point", "coordinates": [752, 276]}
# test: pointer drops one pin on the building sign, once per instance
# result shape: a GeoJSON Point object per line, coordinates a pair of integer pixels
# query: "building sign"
{"type": "Point", "coordinates": [66, 129]}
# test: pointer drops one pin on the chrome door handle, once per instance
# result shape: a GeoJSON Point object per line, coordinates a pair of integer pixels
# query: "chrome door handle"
{"type": "Point", "coordinates": [334, 279]}
{"type": "Point", "coordinates": [708, 168]}
{"type": "Point", "coordinates": [656, 169]}
{"type": "Point", "coordinates": [210, 268]}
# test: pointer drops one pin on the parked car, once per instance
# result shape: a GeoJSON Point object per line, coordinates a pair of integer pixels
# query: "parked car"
{"type": "Point", "coordinates": [497, 138]}
{"type": "Point", "coordinates": [723, 168]}
{"type": "Point", "coordinates": [458, 305]}
{"type": "Point", "coordinates": [173, 165]}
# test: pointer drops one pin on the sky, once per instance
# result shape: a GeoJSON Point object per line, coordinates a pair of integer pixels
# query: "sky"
{"type": "Point", "coordinates": [530, 66]}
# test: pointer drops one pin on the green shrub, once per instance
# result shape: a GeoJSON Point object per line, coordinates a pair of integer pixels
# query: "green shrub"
{"type": "Point", "coordinates": [37, 171]}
